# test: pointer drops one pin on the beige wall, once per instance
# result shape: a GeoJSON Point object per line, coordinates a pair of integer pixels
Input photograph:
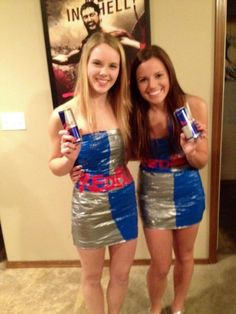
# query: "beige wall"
{"type": "Point", "coordinates": [34, 206]}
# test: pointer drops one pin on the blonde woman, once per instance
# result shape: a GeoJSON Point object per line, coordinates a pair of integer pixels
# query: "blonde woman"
{"type": "Point", "coordinates": [103, 206]}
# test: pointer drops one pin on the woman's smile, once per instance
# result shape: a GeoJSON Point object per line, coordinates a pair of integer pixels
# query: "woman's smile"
{"type": "Point", "coordinates": [103, 68]}
{"type": "Point", "coordinates": [153, 81]}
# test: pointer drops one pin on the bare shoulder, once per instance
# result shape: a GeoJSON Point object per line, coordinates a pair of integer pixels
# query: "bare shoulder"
{"type": "Point", "coordinates": [66, 105]}
{"type": "Point", "coordinates": [197, 106]}
{"type": "Point", "coordinates": [55, 115]}
{"type": "Point", "coordinates": [195, 102]}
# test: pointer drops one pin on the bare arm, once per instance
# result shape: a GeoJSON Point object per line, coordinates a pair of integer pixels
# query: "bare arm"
{"type": "Point", "coordinates": [72, 57]}
{"type": "Point", "coordinates": [76, 173]}
{"type": "Point", "coordinates": [64, 150]}
{"type": "Point", "coordinates": [130, 42]}
{"type": "Point", "coordinates": [125, 38]}
{"type": "Point", "coordinates": [197, 151]}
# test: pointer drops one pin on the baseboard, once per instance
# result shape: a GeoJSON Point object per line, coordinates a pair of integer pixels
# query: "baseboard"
{"type": "Point", "coordinates": [76, 263]}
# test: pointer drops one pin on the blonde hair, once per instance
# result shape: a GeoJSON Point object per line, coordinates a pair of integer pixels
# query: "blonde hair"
{"type": "Point", "coordinates": [118, 95]}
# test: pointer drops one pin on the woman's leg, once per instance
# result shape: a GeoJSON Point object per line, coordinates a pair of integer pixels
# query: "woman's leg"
{"type": "Point", "coordinates": [121, 259]}
{"type": "Point", "coordinates": [183, 244]}
{"type": "Point", "coordinates": [92, 261]}
{"type": "Point", "coordinates": [159, 244]}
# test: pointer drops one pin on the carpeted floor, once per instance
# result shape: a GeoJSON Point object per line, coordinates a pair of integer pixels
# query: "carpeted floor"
{"type": "Point", "coordinates": [57, 290]}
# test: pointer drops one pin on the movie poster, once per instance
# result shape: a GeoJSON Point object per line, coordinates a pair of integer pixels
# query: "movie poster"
{"type": "Point", "coordinates": [69, 23]}
{"type": "Point", "coordinates": [230, 50]}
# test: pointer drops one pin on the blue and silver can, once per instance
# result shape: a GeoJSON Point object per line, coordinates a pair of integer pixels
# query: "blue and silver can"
{"type": "Point", "coordinates": [69, 123]}
{"type": "Point", "coordinates": [187, 123]}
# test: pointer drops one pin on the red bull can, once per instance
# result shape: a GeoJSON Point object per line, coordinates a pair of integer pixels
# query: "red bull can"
{"type": "Point", "coordinates": [187, 123]}
{"type": "Point", "coordinates": [69, 123]}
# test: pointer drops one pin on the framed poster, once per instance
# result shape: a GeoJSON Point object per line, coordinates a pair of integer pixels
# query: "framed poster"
{"type": "Point", "coordinates": [69, 23]}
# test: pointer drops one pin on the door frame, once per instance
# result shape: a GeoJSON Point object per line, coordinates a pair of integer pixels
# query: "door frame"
{"type": "Point", "coordinates": [217, 116]}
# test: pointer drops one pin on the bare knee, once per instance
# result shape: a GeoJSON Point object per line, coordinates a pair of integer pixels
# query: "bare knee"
{"type": "Point", "coordinates": [159, 271]}
{"type": "Point", "coordinates": [185, 258]}
{"type": "Point", "coordinates": [120, 278]}
{"type": "Point", "coordinates": [91, 279]}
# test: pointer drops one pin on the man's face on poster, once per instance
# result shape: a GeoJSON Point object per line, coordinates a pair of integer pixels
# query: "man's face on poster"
{"type": "Point", "coordinates": [91, 19]}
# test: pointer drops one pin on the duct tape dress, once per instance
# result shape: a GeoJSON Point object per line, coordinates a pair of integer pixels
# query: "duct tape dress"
{"type": "Point", "coordinates": [170, 191]}
{"type": "Point", "coordinates": [104, 210]}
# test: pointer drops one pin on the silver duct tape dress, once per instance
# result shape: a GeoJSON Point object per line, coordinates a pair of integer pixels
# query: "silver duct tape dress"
{"type": "Point", "coordinates": [104, 210]}
{"type": "Point", "coordinates": [170, 191]}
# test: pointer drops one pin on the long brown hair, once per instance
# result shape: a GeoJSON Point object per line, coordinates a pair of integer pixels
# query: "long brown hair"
{"type": "Point", "coordinates": [139, 122]}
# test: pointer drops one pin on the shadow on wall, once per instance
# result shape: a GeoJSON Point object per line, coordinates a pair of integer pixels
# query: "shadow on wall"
{"type": "Point", "coordinates": [2, 246]}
